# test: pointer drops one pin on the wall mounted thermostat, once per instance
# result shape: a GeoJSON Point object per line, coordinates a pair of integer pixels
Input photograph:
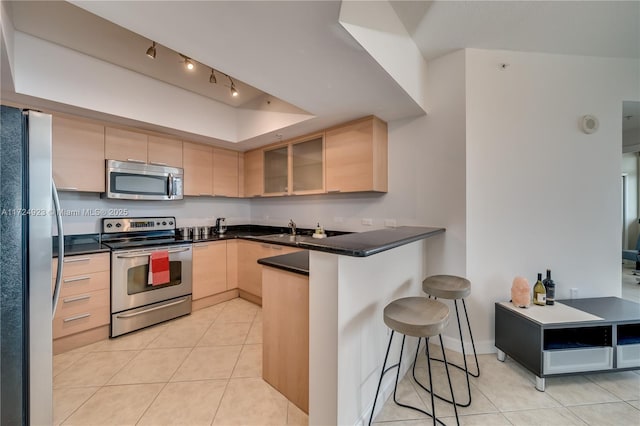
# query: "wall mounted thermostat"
{"type": "Point", "coordinates": [590, 124]}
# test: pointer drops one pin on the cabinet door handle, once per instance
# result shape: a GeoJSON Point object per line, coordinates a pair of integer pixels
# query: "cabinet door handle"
{"type": "Point", "coordinates": [158, 163]}
{"type": "Point", "coordinates": [203, 194]}
{"type": "Point", "coordinates": [265, 245]}
{"type": "Point", "coordinates": [201, 245]}
{"type": "Point", "coordinates": [71, 280]}
{"type": "Point", "coordinates": [276, 247]}
{"type": "Point", "coordinates": [77, 317]}
{"type": "Point", "coordinates": [333, 191]}
{"type": "Point", "coordinates": [76, 299]}
{"type": "Point", "coordinates": [133, 160]}
{"type": "Point", "coordinates": [67, 188]}
{"type": "Point", "coordinates": [79, 259]}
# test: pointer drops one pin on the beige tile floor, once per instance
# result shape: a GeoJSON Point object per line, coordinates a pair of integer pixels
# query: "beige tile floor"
{"type": "Point", "coordinates": [203, 369]}
{"type": "Point", "coordinates": [505, 394]}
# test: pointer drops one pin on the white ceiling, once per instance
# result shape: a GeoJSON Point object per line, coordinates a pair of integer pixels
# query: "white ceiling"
{"type": "Point", "coordinates": [298, 52]}
{"type": "Point", "coordinates": [589, 28]}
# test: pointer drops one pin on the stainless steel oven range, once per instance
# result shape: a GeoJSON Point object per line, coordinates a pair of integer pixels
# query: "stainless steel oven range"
{"type": "Point", "coordinates": [138, 298]}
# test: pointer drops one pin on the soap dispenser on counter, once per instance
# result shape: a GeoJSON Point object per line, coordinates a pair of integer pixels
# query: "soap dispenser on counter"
{"type": "Point", "coordinates": [319, 233]}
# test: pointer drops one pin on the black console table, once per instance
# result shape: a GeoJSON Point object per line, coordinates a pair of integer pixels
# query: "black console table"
{"type": "Point", "coordinates": [573, 336]}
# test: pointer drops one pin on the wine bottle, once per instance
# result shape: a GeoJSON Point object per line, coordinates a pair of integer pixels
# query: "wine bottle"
{"type": "Point", "coordinates": [539, 293]}
{"type": "Point", "coordinates": [550, 288]}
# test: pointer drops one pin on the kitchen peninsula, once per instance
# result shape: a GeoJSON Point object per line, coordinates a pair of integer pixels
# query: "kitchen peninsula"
{"type": "Point", "coordinates": [351, 278]}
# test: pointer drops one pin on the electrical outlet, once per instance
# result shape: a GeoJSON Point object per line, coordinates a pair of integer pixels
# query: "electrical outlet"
{"type": "Point", "coordinates": [573, 293]}
{"type": "Point", "coordinates": [366, 221]}
{"type": "Point", "coordinates": [390, 223]}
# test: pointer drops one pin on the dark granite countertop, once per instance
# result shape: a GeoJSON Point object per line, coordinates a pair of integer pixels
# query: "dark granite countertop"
{"type": "Point", "coordinates": [80, 244]}
{"type": "Point", "coordinates": [297, 262]}
{"type": "Point", "coordinates": [357, 244]}
{"type": "Point", "coordinates": [360, 244]}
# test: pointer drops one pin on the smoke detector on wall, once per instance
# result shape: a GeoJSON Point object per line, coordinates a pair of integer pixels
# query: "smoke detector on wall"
{"type": "Point", "coordinates": [589, 124]}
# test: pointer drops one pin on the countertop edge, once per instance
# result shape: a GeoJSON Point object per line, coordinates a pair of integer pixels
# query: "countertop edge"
{"type": "Point", "coordinates": [297, 263]}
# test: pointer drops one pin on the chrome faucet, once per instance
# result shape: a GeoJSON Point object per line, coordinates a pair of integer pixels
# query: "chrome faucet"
{"type": "Point", "coordinates": [292, 226]}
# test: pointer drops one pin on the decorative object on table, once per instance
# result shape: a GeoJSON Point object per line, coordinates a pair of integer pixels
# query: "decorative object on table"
{"type": "Point", "coordinates": [539, 292]}
{"type": "Point", "coordinates": [550, 288]}
{"type": "Point", "coordinates": [319, 233]}
{"type": "Point", "coordinates": [521, 292]}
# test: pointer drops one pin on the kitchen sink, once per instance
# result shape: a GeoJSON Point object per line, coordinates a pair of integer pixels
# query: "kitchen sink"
{"type": "Point", "coordinates": [290, 238]}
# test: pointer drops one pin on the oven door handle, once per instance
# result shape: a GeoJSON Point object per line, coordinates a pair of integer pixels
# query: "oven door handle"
{"type": "Point", "coordinates": [129, 256]}
{"type": "Point", "coordinates": [135, 314]}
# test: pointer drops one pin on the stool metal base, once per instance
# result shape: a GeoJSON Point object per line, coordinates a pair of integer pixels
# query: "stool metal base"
{"type": "Point", "coordinates": [464, 355]}
{"type": "Point", "coordinates": [384, 371]}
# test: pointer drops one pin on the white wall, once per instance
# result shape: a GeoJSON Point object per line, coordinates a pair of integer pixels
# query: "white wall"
{"type": "Point", "coordinates": [540, 193]}
{"type": "Point", "coordinates": [189, 212]}
{"type": "Point", "coordinates": [630, 169]}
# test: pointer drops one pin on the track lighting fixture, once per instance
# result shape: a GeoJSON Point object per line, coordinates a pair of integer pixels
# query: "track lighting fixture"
{"type": "Point", "coordinates": [188, 63]}
{"type": "Point", "coordinates": [234, 92]}
{"type": "Point", "coordinates": [151, 51]}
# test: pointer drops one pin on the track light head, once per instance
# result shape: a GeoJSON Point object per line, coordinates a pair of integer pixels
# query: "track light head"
{"type": "Point", "coordinates": [151, 51]}
{"type": "Point", "coordinates": [234, 92]}
{"type": "Point", "coordinates": [212, 77]}
{"type": "Point", "coordinates": [188, 63]}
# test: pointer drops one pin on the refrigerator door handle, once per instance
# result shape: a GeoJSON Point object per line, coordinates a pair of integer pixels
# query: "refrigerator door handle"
{"type": "Point", "coordinates": [56, 207]}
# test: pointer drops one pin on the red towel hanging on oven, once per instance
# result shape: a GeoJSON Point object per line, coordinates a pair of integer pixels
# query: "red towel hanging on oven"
{"type": "Point", "coordinates": [159, 268]}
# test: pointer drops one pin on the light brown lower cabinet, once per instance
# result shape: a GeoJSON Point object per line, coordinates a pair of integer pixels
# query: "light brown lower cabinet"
{"type": "Point", "coordinates": [209, 268]}
{"type": "Point", "coordinates": [83, 311]}
{"type": "Point", "coordinates": [285, 331]}
{"type": "Point", "coordinates": [249, 270]}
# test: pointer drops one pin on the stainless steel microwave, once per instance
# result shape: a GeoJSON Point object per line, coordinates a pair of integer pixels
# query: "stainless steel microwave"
{"type": "Point", "coordinates": [138, 181]}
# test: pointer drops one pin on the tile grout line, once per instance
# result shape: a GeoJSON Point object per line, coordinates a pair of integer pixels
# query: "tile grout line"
{"type": "Point", "coordinates": [174, 373]}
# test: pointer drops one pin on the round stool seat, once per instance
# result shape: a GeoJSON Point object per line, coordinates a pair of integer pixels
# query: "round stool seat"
{"type": "Point", "coordinates": [447, 287]}
{"type": "Point", "coordinates": [416, 316]}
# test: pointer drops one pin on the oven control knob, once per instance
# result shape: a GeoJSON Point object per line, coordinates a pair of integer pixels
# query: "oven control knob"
{"type": "Point", "coordinates": [109, 225]}
{"type": "Point", "coordinates": [118, 225]}
{"type": "Point", "coordinates": [164, 223]}
{"type": "Point", "coordinates": [158, 223]}
{"type": "Point", "coordinates": [171, 223]}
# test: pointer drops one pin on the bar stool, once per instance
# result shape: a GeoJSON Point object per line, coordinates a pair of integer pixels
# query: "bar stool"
{"type": "Point", "coordinates": [453, 288]}
{"type": "Point", "coordinates": [418, 317]}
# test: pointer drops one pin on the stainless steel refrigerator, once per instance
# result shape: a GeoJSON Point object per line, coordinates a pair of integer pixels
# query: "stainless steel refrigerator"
{"type": "Point", "coordinates": [26, 217]}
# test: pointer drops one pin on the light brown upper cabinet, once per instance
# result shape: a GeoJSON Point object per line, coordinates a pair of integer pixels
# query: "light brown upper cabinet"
{"type": "Point", "coordinates": [163, 151]}
{"type": "Point", "coordinates": [125, 145]}
{"type": "Point", "coordinates": [225, 172]}
{"type": "Point", "coordinates": [78, 155]}
{"type": "Point", "coordinates": [276, 170]}
{"type": "Point", "coordinates": [356, 156]}
{"type": "Point", "coordinates": [307, 166]}
{"type": "Point", "coordinates": [295, 168]}
{"type": "Point", "coordinates": [253, 172]}
{"type": "Point", "coordinates": [197, 161]}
